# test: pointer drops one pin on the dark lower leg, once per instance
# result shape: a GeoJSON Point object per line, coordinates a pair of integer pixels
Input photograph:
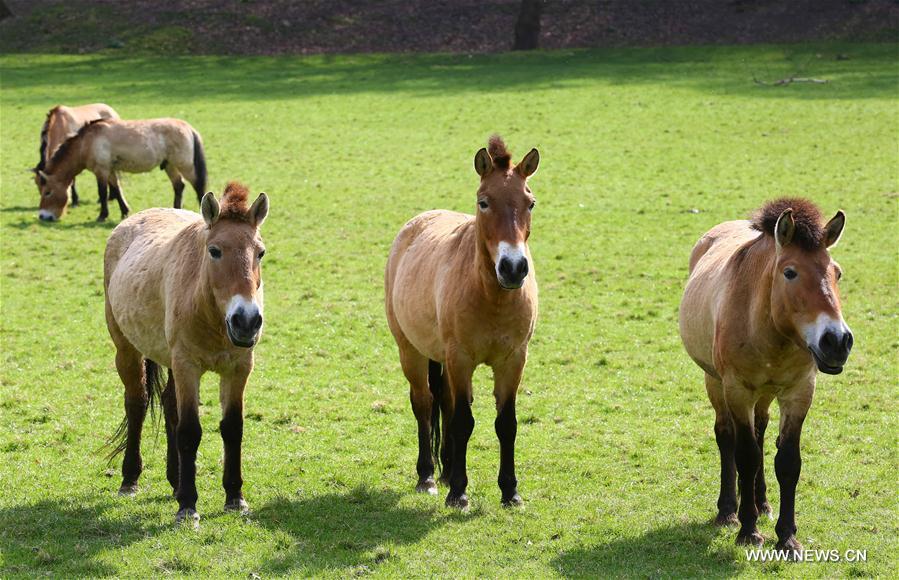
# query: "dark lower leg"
{"type": "Point", "coordinates": [506, 426]}
{"type": "Point", "coordinates": [188, 435]}
{"type": "Point", "coordinates": [727, 497]}
{"type": "Point", "coordinates": [74, 194]}
{"type": "Point", "coordinates": [231, 428]}
{"type": "Point", "coordinates": [761, 488]}
{"type": "Point", "coordinates": [747, 459]}
{"type": "Point", "coordinates": [459, 432]}
{"type": "Point", "coordinates": [421, 406]}
{"type": "Point", "coordinates": [116, 193]}
{"type": "Point", "coordinates": [132, 464]}
{"type": "Point", "coordinates": [178, 186]}
{"type": "Point", "coordinates": [787, 465]}
{"type": "Point", "coordinates": [170, 408]}
{"type": "Point", "coordinates": [102, 191]}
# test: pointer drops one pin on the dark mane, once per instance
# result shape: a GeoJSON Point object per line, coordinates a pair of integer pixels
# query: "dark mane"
{"type": "Point", "coordinates": [42, 149]}
{"type": "Point", "coordinates": [66, 146]}
{"type": "Point", "coordinates": [502, 159]}
{"type": "Point", "coordinates": [809, 222]}
{"type": "Point", "coordinates": [234, 203]}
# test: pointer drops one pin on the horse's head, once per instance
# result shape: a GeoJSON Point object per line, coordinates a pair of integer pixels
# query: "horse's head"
{"type": "Point", "coordinates": [54, 194]}
{"type": "Point", "coordinates": [504, 210]}
{"type": "Point", "coordinates": [805, 299]}
{"type": "Point", "coordinates": [232, 259]}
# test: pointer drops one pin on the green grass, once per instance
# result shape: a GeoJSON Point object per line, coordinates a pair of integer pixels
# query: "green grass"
{"type": "Point", "coordinates": [642, 151]}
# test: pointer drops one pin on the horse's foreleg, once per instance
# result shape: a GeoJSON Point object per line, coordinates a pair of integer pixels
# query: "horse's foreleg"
{"type": "Point", "coordinates": [102, 191]}
{"type": "Point", "coordinates": [747, 455]}
{"type": "Point", "coordinates": [761, 424]}
{"type": "Point", "coordinates": [726, 440]}
{"type": "Point", "coordinates": [459, 371]}
{"type": "Point", "coordinates": [74, 194]}
{"type": "Point", "coordinates": [116, 194]}
{"type": "Point", "coordinates": [170, 409]}
{"type": "Point", "coordinates": [231, 427]}
{"type": "Point", "coordinates": [506, 378]}
{"type": "Point", "coordinates": [187, 437]}
{"type": "Point", "coordinates": [788, 464]}
{"type": "Point", "coordinates": [178, 186]}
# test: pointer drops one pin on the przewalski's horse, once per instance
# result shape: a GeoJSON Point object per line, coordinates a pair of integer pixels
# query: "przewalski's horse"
{"type": "Point", "coordinates": [185, 292]}
{"type": "Point", "coordinates": [760, 312]}
{"type": "Point", "coordinates": [62, 122]}
{"type": "Point", "coordinates": [460, 291]}
{"type": "Point", "coordinates": [108, 146]}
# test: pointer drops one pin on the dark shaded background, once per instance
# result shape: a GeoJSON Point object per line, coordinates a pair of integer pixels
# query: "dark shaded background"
{"type": "Point", "coordinates": [347, 26]}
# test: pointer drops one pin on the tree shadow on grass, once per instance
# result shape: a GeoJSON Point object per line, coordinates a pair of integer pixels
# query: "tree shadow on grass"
{"type": "Point", "coordinates": [63, 538]}
{"type": "Point", "coordinates": [676, 551]}
{"type": "Point", "coordinates": [64, 224]}
{"type": "Point", "coordinates": [352, 531]}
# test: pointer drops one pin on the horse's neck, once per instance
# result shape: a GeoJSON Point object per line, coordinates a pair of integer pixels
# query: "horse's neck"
{"type": "Point", "coordinates": [74, 161]}
{"type": "Point", "coordinates": [56, 133]}
{"type": "Point", "coordinates": [754, 274]}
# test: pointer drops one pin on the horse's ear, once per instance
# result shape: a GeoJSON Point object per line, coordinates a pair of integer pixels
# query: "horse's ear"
{"type": "Point", "coordinates": [784, 228]}
{"type": "Point", "coordinates": [42, 177]}
{"type": "Point", "coordinates": [834, 229]}
{"type": "Point", "coordinates": [528, 165]}
{"type": "Point", "coordinates": [209, 207]}
{"type": "Point", "coordinates": [259, 209]}
{"type": "Point", "coordinates": [482, 162]}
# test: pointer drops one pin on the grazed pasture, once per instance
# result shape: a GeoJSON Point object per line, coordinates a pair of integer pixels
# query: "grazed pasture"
{"type": "Point", "coordinates": [642, 151]}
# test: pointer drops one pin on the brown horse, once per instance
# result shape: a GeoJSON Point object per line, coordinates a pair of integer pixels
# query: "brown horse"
{"type": "Point", "coordinates": [461, 292]}
{"type": "Point", "coordinates": [62, 122]}
{"type": "Point", "coordinates": [185, 292]}
{"type": "Point", "coordinates": [107, 146]}
{"type": "Point", "coordinates": [760, 312]}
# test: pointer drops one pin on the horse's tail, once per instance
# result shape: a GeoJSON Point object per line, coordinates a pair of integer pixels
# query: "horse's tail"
{"type": "Point", "coordinates": [154, 384]}
{"type": "Point", "coordinates": [436, 384]}
{"type": "Point", "coordinates": [199, 167]}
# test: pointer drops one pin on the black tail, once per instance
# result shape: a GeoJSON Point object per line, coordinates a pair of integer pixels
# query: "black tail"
{"type": "Point", "coordinates": [154, 383]}
{"type": "Point", "coordinates": [199, 168]}
{"type": "Point", "coordinates": [435, 383]}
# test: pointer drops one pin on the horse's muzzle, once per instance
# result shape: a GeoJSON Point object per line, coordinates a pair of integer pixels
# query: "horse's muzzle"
{"type": "Point", "coordinates": [46, 216]}
{"type": "Point", "coordinates": [243, 327]}
{"type": "Point", "coordinates": [512, 272]}
{"type": "Point", "coordinates": [832, 351]}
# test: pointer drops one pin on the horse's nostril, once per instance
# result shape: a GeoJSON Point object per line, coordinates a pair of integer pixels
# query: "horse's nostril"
{"type": "Point", "coordinates": [828, 341]}
{"type": "Point", "coordinates": [847, 342]}
{"type": "Point", "coordinates": [522, 268]}
{"type": "Point", "coordinates": [257, 322]}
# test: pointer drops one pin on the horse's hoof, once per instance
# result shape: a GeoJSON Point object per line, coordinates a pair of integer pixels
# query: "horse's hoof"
{"type": "Point", "coordinates": [101, 219]}
{"type": "Point", "coordinates": [188, 515]}
{"type": "Point", "coordinates": [753, 538]}
{"type": "Point", "coordinates": [237, 504]}
{"type": "Point", "coordinates": [128, 490]}
{"type": "Point", "coordinates": [514, 501]}
{"type": "Point", "coordinates": [791, 546]}
{"type": "Point", "coordinates": [428, 486]}
{"type": "Point", "coordinates": [730, 519]}
{"type": "Point", "coordinates": [457, 501]}
{"type": "Point", "coordinates": [765, 510]}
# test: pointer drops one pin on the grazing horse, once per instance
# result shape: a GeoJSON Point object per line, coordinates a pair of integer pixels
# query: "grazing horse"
{"type": "Point", "coordinates": [185, 292]}
{"type": "Point", "coordinates": [460, 291]}
{"type": "Point", "coordinates": [760, 312]}
{"type": "Point", "coordinates": [107, 146]}
{"type": "Point", "coordinates": [62, 122]}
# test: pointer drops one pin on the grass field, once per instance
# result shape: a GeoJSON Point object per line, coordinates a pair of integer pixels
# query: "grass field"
{"type": "Point", "coordinates": [642, 151]}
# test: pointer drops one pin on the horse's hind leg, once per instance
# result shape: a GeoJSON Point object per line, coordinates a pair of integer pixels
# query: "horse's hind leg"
{"type": "Point", "coordinates": [177, 184]}
{"type": "Point", "coordinates": [129, 364]}
{"type": "Point", "coordinates": [102, 192]}
{"type": "Point", "coordinates": [116, 194]}
{"type": "Point", "coordinates": [761, 489]}
{"type": "Point", "coordinates": [726, 439]}
{"type": "Point", "coordinates": [416, 368]}
{"type": "Point", "coordinates": [170, 408]}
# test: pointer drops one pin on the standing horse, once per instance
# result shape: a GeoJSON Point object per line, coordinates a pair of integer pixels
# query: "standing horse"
{"type": "Point", "coordinates": [185, 292]}
{"type": "Point", "coordinates": [760, 312]}
{"type": "Point", "coordinates": [107, 146]}
{"type": "Point", "coordinates": [458, 294]}
{"type": "Point", "coordinates": [62, 122]}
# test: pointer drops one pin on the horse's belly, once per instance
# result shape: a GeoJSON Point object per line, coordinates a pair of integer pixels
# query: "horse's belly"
{"type": "Point", "coordinates": [139, 310]}
{"type": "Point", "coordinates": [417, 318]}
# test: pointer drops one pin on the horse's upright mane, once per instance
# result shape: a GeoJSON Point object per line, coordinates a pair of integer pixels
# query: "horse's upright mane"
{"type": "Point", "coordinates": [42, 149]}
{"type": "Point", "coordinates": [502, 159]}
{"type": "Point", "coordinates": [809, 232]}
{"type": "Point", "coordinates": [66, 146]}
{"type": "Point", "coordinates": [234, 203]}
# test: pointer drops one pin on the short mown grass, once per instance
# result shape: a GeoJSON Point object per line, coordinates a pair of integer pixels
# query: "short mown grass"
{"type": "Point", "coordinates": [642, 151]}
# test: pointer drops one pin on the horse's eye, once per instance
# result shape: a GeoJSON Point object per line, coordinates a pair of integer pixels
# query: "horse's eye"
{"type": "Point", "coordinates": [839, 274]}
{"type": "Point", "coordinates": [261, 254]}
{"type": "Point", "coordinates": [482, 204]}
{"type": "Point", "coordinates": [215, 252]}
{"type": "Point", "coordinates": [790, 273]}
{"type": "Point", "coordinates": [531, 207]}
{"type": "Point", "coordinates": [47, 193]}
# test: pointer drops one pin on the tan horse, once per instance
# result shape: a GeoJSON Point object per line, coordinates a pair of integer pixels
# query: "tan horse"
{"type": "Point", "coordinates": [108, 146]}
{"type": "Point", "coordinates": [760, 312]}
{"type": "Point", "coordinates": [62, 122]}
{"type": "Point", "coordinates": [461, 292]}
{"type": "Point", "coordinates": [185, 292]}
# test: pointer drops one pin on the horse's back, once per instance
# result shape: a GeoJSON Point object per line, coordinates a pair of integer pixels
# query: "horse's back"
{"type": "Point", "coordinates": [707, 285]}
{"type": "Point", "coordinates": [136, 146]}
{"type": "Point", "coordinates": [420, 261]}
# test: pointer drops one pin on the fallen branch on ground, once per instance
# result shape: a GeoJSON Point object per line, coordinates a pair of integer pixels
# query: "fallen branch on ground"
{"type": "Point", "coordinates": [789, 80]}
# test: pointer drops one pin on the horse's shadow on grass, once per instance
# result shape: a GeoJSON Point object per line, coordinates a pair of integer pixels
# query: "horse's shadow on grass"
{"type": "Point", "coordinates": [64, 225]}
{"type": "Point", "coordinates": [353, 530]}
{"type": "Point", "coordinates": [677, 551]}
{"type": "Point", "coordinates": [51, 536]}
